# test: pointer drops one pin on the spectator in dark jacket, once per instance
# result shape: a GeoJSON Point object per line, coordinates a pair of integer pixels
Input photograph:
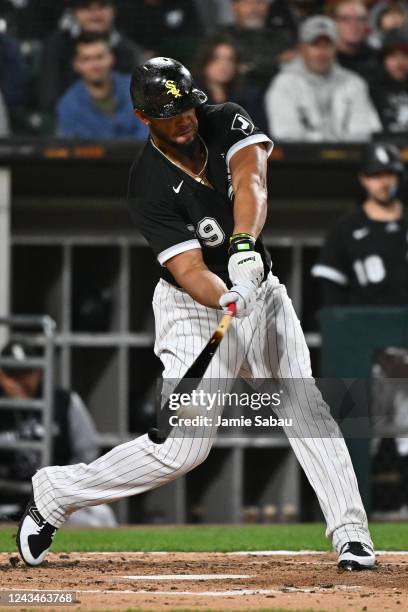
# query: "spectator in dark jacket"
{"type": "Point", "coordinates": [13, 73]}
{"type": "Point", "coordinates": [353, 52]}
{"type": "Point", "coordinates": [389, 87]}
{"type": "Point", "coordinates": [87, 16]}
{"type": "Point", "coordinates": [98, 105]}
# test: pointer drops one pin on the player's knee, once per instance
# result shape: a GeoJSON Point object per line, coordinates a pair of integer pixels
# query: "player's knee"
{"type": "Point", "coordinates": [200, 457]}
{"type": "Point", "coordinates": [190, 454]}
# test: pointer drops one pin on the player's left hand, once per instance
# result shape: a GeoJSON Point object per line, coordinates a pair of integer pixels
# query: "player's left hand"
{"type": "Point", "coordinates": [244, 297]}
{"type": "Point", "coordinates": [246, 268]}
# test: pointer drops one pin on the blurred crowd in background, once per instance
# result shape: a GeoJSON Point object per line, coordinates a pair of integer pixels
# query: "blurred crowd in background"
{"type": "Point", "coordinates": [307, 70]}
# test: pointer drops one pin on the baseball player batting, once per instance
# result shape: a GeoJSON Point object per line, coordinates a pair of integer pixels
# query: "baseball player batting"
{"type": "Point", "coordinates": [198, 194]}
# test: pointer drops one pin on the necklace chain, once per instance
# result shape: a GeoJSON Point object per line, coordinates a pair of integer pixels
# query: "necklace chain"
{"type": "Point", "coordinates": [198, 176]}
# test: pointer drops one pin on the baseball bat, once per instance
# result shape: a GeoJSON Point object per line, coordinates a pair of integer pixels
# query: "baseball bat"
{"type": "Point", "coordinates": [196, 371]}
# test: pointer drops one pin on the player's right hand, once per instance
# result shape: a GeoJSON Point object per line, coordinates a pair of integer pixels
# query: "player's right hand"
{"type": "Point", "coordinates": [245, 265]}
{"type": "Point", "coordinates": [243, 297]}
{"type": "Point", "coordinates": [246, 269]}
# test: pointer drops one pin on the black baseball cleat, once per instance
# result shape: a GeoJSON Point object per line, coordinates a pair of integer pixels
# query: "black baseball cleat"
{"type": "Point", "coordinates": [355, 556]}
{"type": "Point", "coordinates": [34, 536]}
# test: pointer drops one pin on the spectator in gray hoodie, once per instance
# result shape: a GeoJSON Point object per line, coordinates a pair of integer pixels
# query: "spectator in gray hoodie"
{"type": "Point", "coordinates": [314, 99]}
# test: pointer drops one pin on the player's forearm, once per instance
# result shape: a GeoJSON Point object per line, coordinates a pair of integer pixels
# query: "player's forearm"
{"type": "Point", "coordinates": [203, 286]}
{"type": "Point", "coordinates": [250, 209]}
{"type": "Point", "coordinates": [249, 181]}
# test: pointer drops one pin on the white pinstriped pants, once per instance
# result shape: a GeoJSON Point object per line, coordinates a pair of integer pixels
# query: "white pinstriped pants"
{"type": "Point", "coordinates": [269, 343]}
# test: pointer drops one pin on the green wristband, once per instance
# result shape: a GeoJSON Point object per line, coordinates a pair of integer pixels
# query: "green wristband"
{"type": "Point", "coordinates": [240, 243]}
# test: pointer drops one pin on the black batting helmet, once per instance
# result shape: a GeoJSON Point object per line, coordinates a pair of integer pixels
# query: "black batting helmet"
{"type": "Point", "coordinates": [382, 157]}
{"type": "Point", "coordinates": [163, 88]}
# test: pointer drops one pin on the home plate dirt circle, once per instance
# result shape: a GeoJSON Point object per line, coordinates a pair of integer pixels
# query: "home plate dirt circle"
{"type": "Point", "coordinates": [200, 581]}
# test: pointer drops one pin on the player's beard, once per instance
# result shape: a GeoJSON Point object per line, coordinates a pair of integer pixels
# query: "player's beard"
{"type": "Point", "coordinates": [189, 149]}
{"type": "Point", "coordinates": [388, 200]}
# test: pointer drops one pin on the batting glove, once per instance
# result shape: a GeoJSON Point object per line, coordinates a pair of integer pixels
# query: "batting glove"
{"type": "Point", "coordinates": [245, 266]}
{"type": "Point", "coordinates": [243, 296]}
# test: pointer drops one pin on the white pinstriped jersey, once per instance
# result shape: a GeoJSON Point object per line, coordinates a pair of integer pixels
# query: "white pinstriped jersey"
{"type": "Point", "coordinates": [174, 212]}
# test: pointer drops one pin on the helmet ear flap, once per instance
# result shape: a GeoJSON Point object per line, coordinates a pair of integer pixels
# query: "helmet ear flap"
{"type": "Point", "coordinates": [163, 88]}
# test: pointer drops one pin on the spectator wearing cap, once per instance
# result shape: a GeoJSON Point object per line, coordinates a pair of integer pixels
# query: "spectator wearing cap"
{"type": "Point", "coordinates": [363, 261]}
{"type": "Point", "coordinates": [98, 105]}
{"type": "Point", "coordinates": [75, 438]}
{"type": "Point", "coordinates": [353, 51]}
{"type": "Point", "coordinates": [170, 28]}
{"type": "Point", "coordinates": [260, 44]}
{"type": "Point", "coordinates": [389, 86]}
{"type": "Point", "coordinates": [314, 99]}
{"type": "Point", "coordinates": [85, 17]}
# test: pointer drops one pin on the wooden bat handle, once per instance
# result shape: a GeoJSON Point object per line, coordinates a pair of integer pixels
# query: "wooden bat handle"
{"type": "Point", "coordinates": [223, 325]}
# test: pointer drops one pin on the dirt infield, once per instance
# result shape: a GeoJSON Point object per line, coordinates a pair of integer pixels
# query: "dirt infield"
{"type": "Point", "coordinates": [103, 581]}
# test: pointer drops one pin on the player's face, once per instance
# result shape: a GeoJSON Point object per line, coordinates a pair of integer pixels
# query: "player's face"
{"type": "Point", "coordinates": [396, 64]}
{"type": "Point", "coordinates": [96, 17]}
{"type": "Point", "coordinates": [180, 130]}
{"type": "Point", "coordinates": [319, 55]}
{"type": "Point", "coordinates": [381, 186]}
{"type": "Point", "coordinates": [93, 62]}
